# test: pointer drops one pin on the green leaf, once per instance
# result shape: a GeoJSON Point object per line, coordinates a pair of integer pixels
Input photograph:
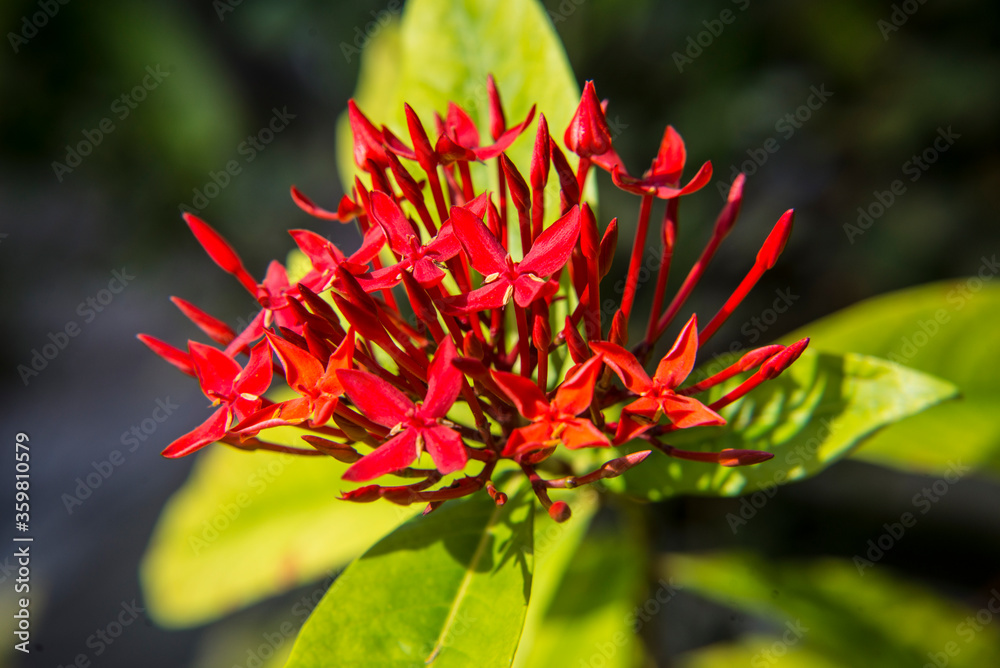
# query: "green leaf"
{"type": "Point", "coordinates": [755, 648]}
{"type": "Point", "coordinates": [945, 329]}
{"type": "Point", "coordinates": [815, 413]}
{"type": "Point", "coordinates": [443, 51]}
{"type": "Point", "coordinates": [448, 589]}
{"type": "Point", "coordinates": [826, 607]}
{"type": "Point", "coordinates": [246, 526]}
{"type": "Point", "coordinates": [554, 550]}
{"type": "Point", "coordinates": [591, 619]}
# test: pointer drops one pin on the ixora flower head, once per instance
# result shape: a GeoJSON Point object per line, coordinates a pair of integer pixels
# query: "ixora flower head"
{"type": "Point", "coordinates": [378, 390]}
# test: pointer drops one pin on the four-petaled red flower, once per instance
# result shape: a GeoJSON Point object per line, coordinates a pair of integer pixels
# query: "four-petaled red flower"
{"type": "Point", "coordinates": [223, 381]}
{"type": "Point", "coordinates": [320, 389]}
{"type": "Point", "coordinates": [415, 428]}
{"type": "Point", "coordinates": [657, 396]}
{"type": "Point", "coordinates": [418, 259]}
{"type": "Point", "coordinates": [526, 280]}
{"type": "Point", "coordinates": [554, 422]}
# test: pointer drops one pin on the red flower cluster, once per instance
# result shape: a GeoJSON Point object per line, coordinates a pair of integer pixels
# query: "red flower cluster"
{"type": "Point", "coordinates": [377, 389]}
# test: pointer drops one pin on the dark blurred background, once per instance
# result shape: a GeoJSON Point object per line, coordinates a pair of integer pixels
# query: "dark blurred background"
{"type": "Point", "coordinates": [828, 100]}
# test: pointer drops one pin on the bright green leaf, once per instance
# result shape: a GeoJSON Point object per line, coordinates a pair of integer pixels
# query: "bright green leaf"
{"type": "Point", "coordinates": [755, 648]}
{"type": "Point", "coordinates": [443, 51]}
{"type": "Point", "coordinates": [555, 547]}
{"type": "Point", "coordinates": [828, 608]}
{"type": "Point", "coordinates": [250, 525]}
{"type": "Point", "coordinates": [815, 413]}
{"type": "Point", "coordinates": [945, 329]}
{"type": "Point", "coordinates": [591, 619]}
{"type": "Point", "coordinates": [448, 589]}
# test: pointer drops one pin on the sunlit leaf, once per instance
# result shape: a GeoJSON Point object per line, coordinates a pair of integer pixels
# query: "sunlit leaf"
{"type": "Point", "coordinates": [448, 589]}
{"type": "Point", "coordinates": [246, 526]}
{"type": "Point", "coordinates": [815, 413]}
{"type": "Point", "coordinates": [591, 619]}
{"type": "Point", "coordinates": [555, 547]}
{"type": "Point", "coordinates": [945, 329]}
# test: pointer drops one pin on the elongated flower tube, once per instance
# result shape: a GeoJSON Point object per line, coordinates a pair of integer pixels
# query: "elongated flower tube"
{"type": "Point", "coordinates": [437, 356]}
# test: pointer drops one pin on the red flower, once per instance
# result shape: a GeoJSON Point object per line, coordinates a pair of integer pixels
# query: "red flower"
{"type": "Point", "coordinates": [460, 130]}
{"type": "Point", "coordinates": [415, 428]}
{"type": "Point", "coordinates": [418, 259]}
{"type": "Point", "coordinates": [663, 178]}
{"type": "Point", "coordinates": [320, 389]}
{"type": "Point", "coordinates": [554, 422]}
{"type": "Point", "coordinates": [525, 280]}
{"type": "Point", "coordinates": [223, 381]}
{"type": "Point", "coordinates": [657, 395]}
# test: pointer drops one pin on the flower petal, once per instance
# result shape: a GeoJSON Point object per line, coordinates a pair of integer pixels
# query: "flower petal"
{"type": "Point", "coordinates": [460, 127]}
{"type": "Point", "coordinates": [685, 412]}
{"type": "Point", "coordinates": [524, 393]}
{"type": "Point", "coordinates": [577, 391]}
{"type": "Point", "coordinates": [216, 370]}
{"type": "Point", "coordinates": [444, 382]}
{"type": "Point", "coordinates": [677, 364]}
{"type": "Point", "coordinates": [172, 354]}
{"type": "Point", "coordinates": [503, 142]}
{"type": "Point", "coordinates": [484, 251]}
{"type": "Point", "coordinates": [302, 370]}
{"type": "Point", "coordinates": [293, 411]}
{"type": "Point", "coordinates": [552, 248]}
{"type": "Point", "coordinates": [426, 273]}
{"type": "Point", "coordinates": [624, 363]}
{"type": "Point", "coordinates": [445, 448]}
{"type": "Point", "coordinates": [256, 376]}
{"type": "Point", "coordinates": [536, 436]}
{"type": "Point", "coordinates": [393, 222]}
{"type": "Point", "coordinates": [395, 454]}
{"type": "Point", "coordinates": [528, 288]}
{"type": "Point", "coordinates": [581, 433]}
{"type": "Point", "coordinates": [209, 431]}
{"type": "Point", "coordinates": [490, 296]}
{"type": "Point", "coordinates": [378, 400]}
